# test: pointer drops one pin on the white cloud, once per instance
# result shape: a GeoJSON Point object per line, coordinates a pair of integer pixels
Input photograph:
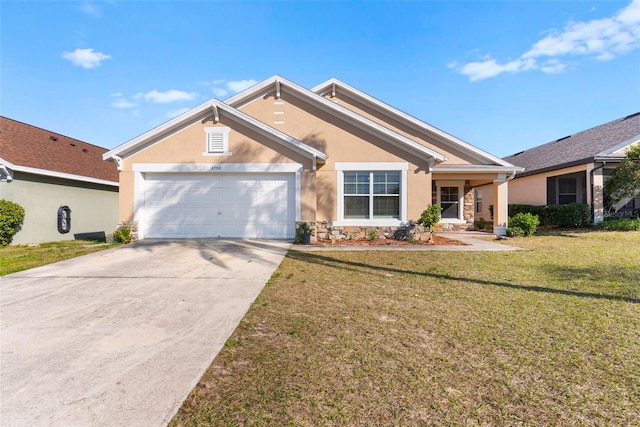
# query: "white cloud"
{"type": "Point", "coordinates": [171, 95]}
{"type": "Point", "coordinates": [553, 66]}
{"type": "Point", "coordinates": [600, 39]}
{"type": "Point", "coordinates": [85, 58]}
{"type": "Point", "coordinates": [490, 68]}
{"type": "Point", "coordinates": [124, 103]}
{"type": "Point", "coordinates": [90, 8]}
{"type": "Point", "coordinates": [176, 113]}
{"type": "Point", "coordinates": [116, 94]}
{"type": "Point", "coordinates": [222, 88]}
{"type": "Point", "coordinates": [219, 92]}
{"type": "Point", "coordinates": [236, 86]}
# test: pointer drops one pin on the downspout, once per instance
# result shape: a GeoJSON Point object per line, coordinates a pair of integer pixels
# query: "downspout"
{"type": "Point", "coordinates": [593, 206]}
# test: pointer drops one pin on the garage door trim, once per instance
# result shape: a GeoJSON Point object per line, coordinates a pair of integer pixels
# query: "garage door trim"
{"type": "Point", "coordinates": [217, 168]}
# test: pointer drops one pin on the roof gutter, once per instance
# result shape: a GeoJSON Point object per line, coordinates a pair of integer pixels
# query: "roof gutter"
{"type": "Point", "coordinates": [7, 171]}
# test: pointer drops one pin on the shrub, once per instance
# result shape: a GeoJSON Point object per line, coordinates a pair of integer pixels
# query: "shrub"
{"type": "Point", "coordinates": [429, 218]}
{"type": "Point", "coordinates": [525, 222]}
{"type": "Point", "coordinates": [515, 232]}
{"type": "Point", "coordinates": [123, 235]}
{"type": "Point", "coordinates": [373, 235]}
{"type": "Point", "coordinates": [571, 215]}
{"type": "Point", "coordinates": [619, 224]}
{"type": "Point", "coordinates": [11, 218]}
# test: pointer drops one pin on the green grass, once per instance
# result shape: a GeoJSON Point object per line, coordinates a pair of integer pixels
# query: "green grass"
{"type": "Point", "coordinates": [19, 258]}
{"type": "Point", "coordinates": [545, 336]}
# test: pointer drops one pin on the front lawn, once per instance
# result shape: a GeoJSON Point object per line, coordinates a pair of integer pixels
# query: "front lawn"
{"type": "Point", "coordinates": [22, 257]}
{"type": "Point", "coordinates": [545, 336]}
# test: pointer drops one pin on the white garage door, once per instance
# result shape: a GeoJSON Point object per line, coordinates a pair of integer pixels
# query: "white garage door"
{"type": "Point", "coordinates": [219, 205]}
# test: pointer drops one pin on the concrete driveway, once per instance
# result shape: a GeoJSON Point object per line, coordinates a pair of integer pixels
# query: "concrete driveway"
{"type": "Point", "coordinates": [120, 337]}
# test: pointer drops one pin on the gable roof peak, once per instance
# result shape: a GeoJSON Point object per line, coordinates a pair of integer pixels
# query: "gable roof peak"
{"type": "Point", "coordinates": [412, 121]}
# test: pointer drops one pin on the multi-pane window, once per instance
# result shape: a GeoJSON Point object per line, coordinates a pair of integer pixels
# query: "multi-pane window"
{"type": "Point", "coordinates": [478, 201]}
{"type": "Point", "coordinates": [449, 202]}
{"type": "Point", "coordinates": [567, 191]}
{"type": "Point", "coordinates": [370, 195]}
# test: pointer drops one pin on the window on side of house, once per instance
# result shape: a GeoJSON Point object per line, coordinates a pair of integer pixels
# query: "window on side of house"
{"type": "Point", "coordinates": [217, 141]}
{"type": "Point", "coordinates": [567, 191]}
{"type": "Point", "coordinates": [371, 194]}
{"type": "Point", "coordinates": [478, 201]}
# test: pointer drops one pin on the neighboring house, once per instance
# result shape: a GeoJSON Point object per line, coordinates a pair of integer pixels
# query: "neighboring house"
{"type": "Point", "coordinates": [278, 154]}
{"type": "Point", "coordinates": [63, 184]}
{"type": "Point", "coordinates": [572, 169]}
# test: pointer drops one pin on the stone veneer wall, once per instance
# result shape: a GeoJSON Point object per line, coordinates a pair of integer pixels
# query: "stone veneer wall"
{"type": "Point", "coordinates": [324, 231]}
{"type": "Point", "coordinates": [134, 228]}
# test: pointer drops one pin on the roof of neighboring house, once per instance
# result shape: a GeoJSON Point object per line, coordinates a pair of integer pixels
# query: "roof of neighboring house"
{"type": "Point", "coordinates": [579, 148]}
{"type": "Point", "coordinates": [31, 149]}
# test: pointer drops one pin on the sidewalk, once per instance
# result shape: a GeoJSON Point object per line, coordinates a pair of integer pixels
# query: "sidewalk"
{"type": "Point", "coordinates": [473, 244]}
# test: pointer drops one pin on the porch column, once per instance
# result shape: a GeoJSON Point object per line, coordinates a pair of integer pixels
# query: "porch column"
{"type": "Point", "coordinates": [500, 205]}
{"type": "Point", "coordinates": [598, 195]}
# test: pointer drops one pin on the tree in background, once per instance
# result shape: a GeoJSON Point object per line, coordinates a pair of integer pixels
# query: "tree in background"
{"type": "Point", "coordinates": [624, 181]}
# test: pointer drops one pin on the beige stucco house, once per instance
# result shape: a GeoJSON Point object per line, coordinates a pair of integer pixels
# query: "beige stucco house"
{"type": "Point", "coordinates": [278, 154]}
{"type": "Point", "coordinates": [572, 169]}
{"type": "Point", "coordinates": [46, 172]}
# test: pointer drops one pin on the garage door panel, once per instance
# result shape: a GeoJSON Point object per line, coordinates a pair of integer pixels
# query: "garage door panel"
{"type": "Point", "coordinates": [222, 205]}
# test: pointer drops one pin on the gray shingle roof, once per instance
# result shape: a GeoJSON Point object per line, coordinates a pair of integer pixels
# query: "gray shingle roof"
{"type": "Point", "coordinates": [581, 147]}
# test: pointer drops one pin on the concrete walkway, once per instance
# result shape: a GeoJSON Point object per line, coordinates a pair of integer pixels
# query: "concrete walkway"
{"type": "Point", "coordinates": [120, 337]}
{"type": "Point", "coordinates": [470, 238]}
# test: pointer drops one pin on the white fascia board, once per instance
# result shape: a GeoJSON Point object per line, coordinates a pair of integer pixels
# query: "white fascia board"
{"type": "Point", "coordinates": [55, 174]}
{"type": "Point", "coordinates": [619, 147]}
{"type": "Point", "coordinates": [410, 120]}
{"type": "Point", "coordinates": [476, 168]}
{"type": "Point", "coordinates": [217, 167]}
{"type": "Point", "coordinates": [275, 134]}
{"type": "Point", "coordinates": [241, 98]}
{"type": "Point", "coordinates": [196, 112]}
{"type": "Point", "coordinates": [121, 150]}
{"type": "Point", "coordinates": [337, 110]}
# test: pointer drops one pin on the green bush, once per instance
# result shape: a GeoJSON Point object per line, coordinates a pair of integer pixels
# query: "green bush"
{"type": "Point", "coordinates": [515, 232]}
{"type": "Point", "coordinates": [123, 235]}
{"type": "Point", "coordinates": [11, 218]}
{"type": "Point", "coordinates": [619, 224]}
{"type": "Point", "coordinates": [526, 222]}
{"type": "Point", "coordinates": [430, 217]}
{"type": "Point", "coordinates": [572, 215]}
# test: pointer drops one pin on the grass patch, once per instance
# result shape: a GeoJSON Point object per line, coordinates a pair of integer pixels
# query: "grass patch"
{"type": "Point", "coordinates": [22, 257]}
{"type": "Point", "coordinates": [546, 336]}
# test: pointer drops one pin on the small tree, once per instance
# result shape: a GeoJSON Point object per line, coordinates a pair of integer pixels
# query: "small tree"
{"type": "Point", "coordinates": [429, 218]}
{"type": "Point", "coordinates": [624, 181]}
{"type": "Point", "coordinates": [11, 217]}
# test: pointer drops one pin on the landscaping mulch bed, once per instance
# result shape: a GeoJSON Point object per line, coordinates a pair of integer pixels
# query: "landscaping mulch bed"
{"type": "Point", "coordinates": [437, 241]}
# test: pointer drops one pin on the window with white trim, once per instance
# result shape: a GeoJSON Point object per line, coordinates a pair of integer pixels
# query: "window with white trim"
{"type": "Point", "coordinates": [450, 199]}
{"type": "Point", "coordinates": [371, 194]}
{"type": "Point", "coordinates": [217, 141]}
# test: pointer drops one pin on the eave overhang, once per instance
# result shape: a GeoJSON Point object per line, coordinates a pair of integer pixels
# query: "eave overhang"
{"type": "Point", "coordinates": [213, 108]}
{"type": "Point", "coordinates": [339, 112]}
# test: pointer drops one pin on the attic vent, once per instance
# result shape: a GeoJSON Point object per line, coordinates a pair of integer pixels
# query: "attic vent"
{"type": "Point", "coordinates": [84, 150]}
{"type": "Point", "coordinates": [72, 144]}
{"type": "Point", "coordinates": [518, 153]}
{"type": "Point", "coordinates": [632, 115]}
{"type": "Point", "coordinates": [53, 138]}
{"type": "Point", "coordinates": [563, 138]}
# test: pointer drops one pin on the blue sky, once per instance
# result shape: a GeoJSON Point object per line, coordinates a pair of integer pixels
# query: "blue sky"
{"type": "Point", "coordinates": [503, 76]}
